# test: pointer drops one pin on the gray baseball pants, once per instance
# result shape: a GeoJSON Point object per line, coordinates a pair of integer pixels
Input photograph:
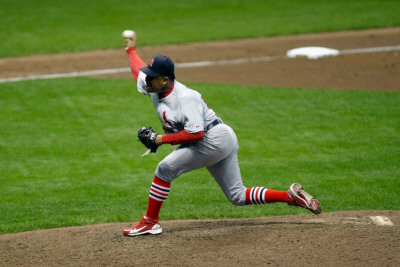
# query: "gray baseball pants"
{"type": "Point", "coordinates": [218, 153]}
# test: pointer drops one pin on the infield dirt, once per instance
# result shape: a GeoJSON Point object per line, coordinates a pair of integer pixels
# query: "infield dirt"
{"type": "Point", "coordinates": [347, 238]}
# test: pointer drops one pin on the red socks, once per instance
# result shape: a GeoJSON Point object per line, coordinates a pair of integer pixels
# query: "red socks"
{"type": "Point", "coordinates": [256, 195]}
{"type": "Point", "coordinates": [261, 195]}
{"type": "Point", "coordinates": [158, 194]}
{"type": "Point", "coordinates": [275, 196]}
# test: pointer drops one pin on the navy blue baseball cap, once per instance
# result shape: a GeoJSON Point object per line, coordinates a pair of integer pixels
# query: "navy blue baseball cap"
{"type": "Point", "coordinates": [159, 65]}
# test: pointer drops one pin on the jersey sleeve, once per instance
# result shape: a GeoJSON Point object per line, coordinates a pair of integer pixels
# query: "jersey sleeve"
{"type": "Point", "coordinates": [141, 84]}
{"type": "Point", "coordinates": [135, 62]}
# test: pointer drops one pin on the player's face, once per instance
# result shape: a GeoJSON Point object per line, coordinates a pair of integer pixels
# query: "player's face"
{"type": "Point", "coordinates": [156, 84]}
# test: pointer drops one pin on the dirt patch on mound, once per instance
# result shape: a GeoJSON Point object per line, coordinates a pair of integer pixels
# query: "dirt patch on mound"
{"type": "Point", "coordinates": [331, 239]}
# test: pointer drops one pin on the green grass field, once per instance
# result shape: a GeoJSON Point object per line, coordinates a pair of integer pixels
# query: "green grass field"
{"type": "Point", "coordinates": [70, 157]}
{"type": "Point", "coordinates": [68, 149]}
{"type": "Point", "coordinates": [47, 26]}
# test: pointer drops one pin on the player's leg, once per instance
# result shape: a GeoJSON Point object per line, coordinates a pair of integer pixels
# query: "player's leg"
{"type": "Point", "coordinates": [183, 159]}
{"type": "Point", "coordinates": [149, 224]}
{"type": "Point", "coordinates": [228, 176]}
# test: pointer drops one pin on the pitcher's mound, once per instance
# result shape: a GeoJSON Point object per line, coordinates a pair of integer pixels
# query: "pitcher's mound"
{"type": "Point", "coordinates": [348, 238]}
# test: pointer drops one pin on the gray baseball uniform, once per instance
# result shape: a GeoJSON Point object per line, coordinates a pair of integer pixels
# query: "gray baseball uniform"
{"type": "Point", "coordinates": [206, 142]}
{"type": "Point", "coordinates": [184, 109]}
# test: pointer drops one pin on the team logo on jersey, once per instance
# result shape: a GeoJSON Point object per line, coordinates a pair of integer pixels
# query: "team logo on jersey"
{"type": "Point", "coordinates": [151, 62]}
{"type": "Point", "coordinates": [167, 126]}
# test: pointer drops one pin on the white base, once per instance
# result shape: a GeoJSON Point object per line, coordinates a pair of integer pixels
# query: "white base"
{"type": "Point", "coordinates": [312, 52]}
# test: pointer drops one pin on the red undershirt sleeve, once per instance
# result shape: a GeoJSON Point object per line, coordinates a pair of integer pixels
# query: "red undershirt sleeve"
{"type": "Point", "coordinates": [183, 137]}
{"type": "Point", "coordinates": [135, 61]}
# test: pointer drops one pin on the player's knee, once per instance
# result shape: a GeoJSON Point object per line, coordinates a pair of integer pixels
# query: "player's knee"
{"type": "Point", "coordinates": [164, 172]}
{"type": "Point", "coordinates": [238, 198]}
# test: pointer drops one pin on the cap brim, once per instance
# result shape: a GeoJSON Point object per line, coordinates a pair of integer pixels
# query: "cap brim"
{"type": "Point", "coordinates": [149, 72]}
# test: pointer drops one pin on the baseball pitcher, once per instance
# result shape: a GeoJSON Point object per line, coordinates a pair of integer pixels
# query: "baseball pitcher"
{"type": "Point", "coordinates": [204, 141]}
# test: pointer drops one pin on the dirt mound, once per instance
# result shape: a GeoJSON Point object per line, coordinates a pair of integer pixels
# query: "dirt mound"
{"type": "Point", "coordinates": [331, 239]}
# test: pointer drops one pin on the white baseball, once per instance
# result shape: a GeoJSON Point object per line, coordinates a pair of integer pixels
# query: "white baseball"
{"type": "Point", "coordinates": [128, 34]}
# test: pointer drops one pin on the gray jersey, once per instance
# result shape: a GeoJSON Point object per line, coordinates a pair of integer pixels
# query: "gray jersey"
{"type": "Point", "coordinates": [182, 109]}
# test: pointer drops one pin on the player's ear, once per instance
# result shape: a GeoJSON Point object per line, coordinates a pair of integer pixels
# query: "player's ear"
{"type": "Point", "coordinates": [165, 80]}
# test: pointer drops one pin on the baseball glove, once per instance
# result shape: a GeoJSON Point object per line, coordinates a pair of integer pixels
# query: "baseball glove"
{"type": "Point", "coordinates": [148, 136]}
